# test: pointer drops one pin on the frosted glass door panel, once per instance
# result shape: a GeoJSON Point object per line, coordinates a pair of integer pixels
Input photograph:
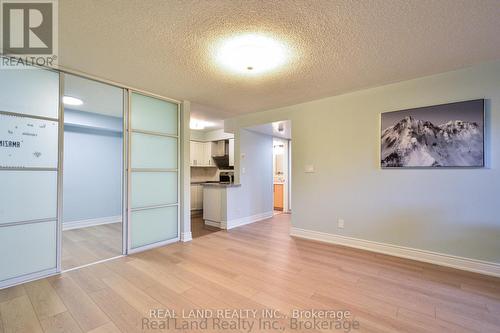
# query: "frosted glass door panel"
{"type": "Point", "coordinates": [153, 225]}
{"type": "Point", "coordinates": [153, 188]}
{"type": "Point", "coordinates": [27, 195]}
{"type": "Point", "coordinates": [30, 91]}
{"type": "Point", "coordinates": [27, 142]}
{"type": "Point", "coordinates": [153, 152]}
{"type": "Point", "coordinates": [154, 177]}
{"type": "Point", "coordinates": [152, 114]}
{"type": "Point", "coordinates": [27, 248]}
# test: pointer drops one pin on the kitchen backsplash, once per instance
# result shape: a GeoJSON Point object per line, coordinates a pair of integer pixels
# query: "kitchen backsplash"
{"type": "Point", "coordinates": [204, 174]}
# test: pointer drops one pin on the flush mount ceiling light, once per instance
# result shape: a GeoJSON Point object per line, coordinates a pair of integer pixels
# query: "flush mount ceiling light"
{"type": "Point", "coordinates": [251, 54]}
{"type": "Point", "coordinates": [196, 124]}
{"type": "Point", "coordinates": [68, 100]}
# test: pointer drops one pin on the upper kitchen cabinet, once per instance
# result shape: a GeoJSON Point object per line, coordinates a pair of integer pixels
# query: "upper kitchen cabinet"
{"type": "Point", "coordinates": [207, 154]}
{"type": "Point", "coordinates": [201, 154]}
{"type": "Point", "coordinates": [194, 147]}
{"type": "Point", "coordinates": [219, 148]}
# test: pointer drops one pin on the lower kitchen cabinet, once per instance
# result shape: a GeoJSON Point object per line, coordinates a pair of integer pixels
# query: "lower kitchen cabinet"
{"type": "Point", "coordinates": [196, 197]}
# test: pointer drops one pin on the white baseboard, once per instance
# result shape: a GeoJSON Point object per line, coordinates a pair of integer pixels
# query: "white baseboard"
{"type": "Point", "coordinates": [213, 224]}
{"type": "Point", "coordinates": [186, 236]}
{"type": "Point", "coordinates": [246, 220]}
{"type": "Point", "coordinates": [467, 264]}
{"type": "Point", "coordinates": [91, 222]}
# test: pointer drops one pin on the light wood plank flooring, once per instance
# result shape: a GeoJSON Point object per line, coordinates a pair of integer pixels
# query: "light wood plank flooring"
{"type": "Point", "coordinates": [198, 227]}
{"type": "Point", "coordinates": [87, 245]}
{"type": "Point", "coordinates": [254, 267]}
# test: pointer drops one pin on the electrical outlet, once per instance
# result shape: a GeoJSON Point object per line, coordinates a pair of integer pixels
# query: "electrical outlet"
{"type": "Point", "coordinates": [340, 223]}
{"type": "Point", "coordinates": [243, 170]}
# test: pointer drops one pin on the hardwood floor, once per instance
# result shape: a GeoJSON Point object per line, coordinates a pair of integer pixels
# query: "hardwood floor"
{"type": "Point", "coordinates": [258, 266]}
{"type": "Point", "coordinates": [198, 227]}
{"type": "Point", "coordinates": [87, 245]}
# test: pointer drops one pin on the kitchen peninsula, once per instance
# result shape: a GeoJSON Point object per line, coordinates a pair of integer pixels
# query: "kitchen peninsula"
{"type": "Point", "coordinates": [219, 204]}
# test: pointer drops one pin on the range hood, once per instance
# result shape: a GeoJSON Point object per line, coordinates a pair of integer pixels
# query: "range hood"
{"type": "Point", "coordinates": [220, 150]}
{"type": "Point", "coordinates": [221, 161]}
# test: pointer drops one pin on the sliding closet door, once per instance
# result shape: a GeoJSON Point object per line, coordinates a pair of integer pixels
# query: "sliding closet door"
{"type": "Point", "coordinates": [154, 175]}
{"type": "Point", "coordinates": [29, 150]}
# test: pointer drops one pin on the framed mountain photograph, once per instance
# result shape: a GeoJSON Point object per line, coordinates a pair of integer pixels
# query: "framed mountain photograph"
{"type": "Point", "coordinates": [447, 135]}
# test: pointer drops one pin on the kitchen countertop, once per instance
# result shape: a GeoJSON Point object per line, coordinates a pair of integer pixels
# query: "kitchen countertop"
{"type": "Point", "coordinates": [221, 184]}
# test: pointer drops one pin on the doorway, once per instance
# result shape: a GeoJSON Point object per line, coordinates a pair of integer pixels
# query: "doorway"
{"type": "Point", "coordinates": [281, 175]}
{"type": "Point", "coordinates": [279, 149]}
{"type": "Point", "coordinates": [92, 221]}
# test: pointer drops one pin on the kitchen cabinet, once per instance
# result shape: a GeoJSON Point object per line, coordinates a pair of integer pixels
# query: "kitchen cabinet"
{"type": "Point", "coordinates": [218, 148]}
{"type": "Point", "coordinates": [213, 208]}
{"type": "Point", "coordinates": [278, 196]}
{"type": "Point", "coordinates": [201, 154]}
{"type": "Point", "coordinates": [196, 197]}
{"type": "Point", "coordinates": [231, 152]}
{"type": "Point", "coordinates": [207, 154]}
{"type": "Point", "coordinates": [194, 147]}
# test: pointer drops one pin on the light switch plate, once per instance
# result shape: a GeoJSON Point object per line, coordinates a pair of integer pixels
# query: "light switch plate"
{"type": "Point", "coordinates": [341, 223]}
{"type": "Point", "coordinates": [309, 168]}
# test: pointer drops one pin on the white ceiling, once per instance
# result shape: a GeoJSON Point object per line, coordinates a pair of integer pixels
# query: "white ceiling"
{"type": "Point", "coordinates": [338, 46]}
{"type": "Point", "coordinates": [272, 129]}
{"type": "Point", "coordinates": [97, 97]}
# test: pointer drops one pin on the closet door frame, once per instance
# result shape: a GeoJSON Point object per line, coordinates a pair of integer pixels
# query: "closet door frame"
{"type": "Point", "coordinates": [60, 173]}
{"type": "Point", "coordinates": [129, 249]}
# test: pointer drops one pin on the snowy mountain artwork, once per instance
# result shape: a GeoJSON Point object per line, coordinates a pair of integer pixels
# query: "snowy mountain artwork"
{"type": "Point", "coordinates": [448, 135]}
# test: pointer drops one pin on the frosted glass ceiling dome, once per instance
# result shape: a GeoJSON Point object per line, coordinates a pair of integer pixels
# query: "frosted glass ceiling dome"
{"type": "Point", "coordinates": [251, 53]}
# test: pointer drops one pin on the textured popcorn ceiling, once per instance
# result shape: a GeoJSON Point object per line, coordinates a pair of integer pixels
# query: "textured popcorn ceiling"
{"type": "Point", "coordinates": [338, 46]}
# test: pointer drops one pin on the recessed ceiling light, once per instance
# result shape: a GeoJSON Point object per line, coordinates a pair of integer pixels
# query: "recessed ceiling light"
{"type": "Point", "coordinates": [68, 100]}
{"type": "Point", "coordinates": [251, 54]}
{"type": "Point", "coordinates": [196, 124]}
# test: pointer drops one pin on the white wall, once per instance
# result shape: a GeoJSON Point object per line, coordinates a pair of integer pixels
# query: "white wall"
{"type": "Point", "coordinates": [218, 134]}
{"type": "Point", "coordinates": [450, 211]}
{"type": "Point", "coordinates": [214, 135]}
{"type": "Point", "coordinates": [197, 135]}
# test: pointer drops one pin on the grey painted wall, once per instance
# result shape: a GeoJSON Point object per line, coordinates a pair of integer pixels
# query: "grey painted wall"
{"type": "Point", "coordinates": [92, 166]}
{"type": "Point", "coordinates": [451, 211]}
{"type": "Point", "coordinates": [255, 196]}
